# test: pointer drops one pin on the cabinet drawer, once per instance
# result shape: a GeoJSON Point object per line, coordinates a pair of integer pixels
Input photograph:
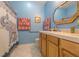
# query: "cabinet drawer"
{"type": "Point", "coordinates": [70, 46]}
{"type": "Point", "coordinates": [52, 39]}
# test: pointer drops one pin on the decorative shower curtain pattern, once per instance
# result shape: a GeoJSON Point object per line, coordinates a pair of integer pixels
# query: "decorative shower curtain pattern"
{"type": "Point", "coordinates": [9, 26]}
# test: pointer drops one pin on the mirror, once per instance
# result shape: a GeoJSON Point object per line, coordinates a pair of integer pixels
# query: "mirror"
{"type": "Point", "coordinates": [70, 20]}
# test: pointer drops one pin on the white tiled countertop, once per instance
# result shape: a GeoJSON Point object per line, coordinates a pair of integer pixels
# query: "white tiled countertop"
{"type": "Point", "coordinates": [63, 35]}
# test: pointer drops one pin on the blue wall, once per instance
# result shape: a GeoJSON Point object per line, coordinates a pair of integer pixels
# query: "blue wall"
{"type": "Point", "coordinates": [30, 10]}
{"type": "Point", "coordinates": [49, 9]}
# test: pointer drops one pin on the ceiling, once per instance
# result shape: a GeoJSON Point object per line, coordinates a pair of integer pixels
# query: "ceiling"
{"type": "Point", "coordinates": [41, 3]}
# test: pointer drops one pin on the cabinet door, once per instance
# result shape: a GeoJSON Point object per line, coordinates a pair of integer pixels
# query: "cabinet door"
{"type": "Point", "coordinates": [68, 48]}
{"type": "Point", "coordinates": [65, 53]}
{"type": "Point", "coordinates": [52, 50]}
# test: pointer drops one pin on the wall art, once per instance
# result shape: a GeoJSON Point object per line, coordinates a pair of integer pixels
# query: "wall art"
{"type": "Point", "coordinates": [37, 19]}
{"type": "Point", "coordinates": [24, 24]}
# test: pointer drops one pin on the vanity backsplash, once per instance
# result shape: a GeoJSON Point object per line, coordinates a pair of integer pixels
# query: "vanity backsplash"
{"type": "Point", "coordinates": [68, 30]}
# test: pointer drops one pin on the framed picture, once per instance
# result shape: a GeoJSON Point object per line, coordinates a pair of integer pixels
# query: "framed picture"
{"type": "Point", "coordinates": [24, 24]}
{"type": "Point", "coordinates": [47, 24]}
{"type": "Point", "coordinates": [37, 19]}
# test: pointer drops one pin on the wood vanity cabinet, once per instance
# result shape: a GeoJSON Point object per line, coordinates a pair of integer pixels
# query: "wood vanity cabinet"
{"type": "Point", "coordinates": [43, 44]}
{"type": "Point", "coordinates": [52, 46]}
{"type": "Point", "coordinates": [69, 48]}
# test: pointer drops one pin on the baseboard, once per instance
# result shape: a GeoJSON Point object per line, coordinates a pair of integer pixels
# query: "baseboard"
{"type": "Point", "coordinates": [11, 50]}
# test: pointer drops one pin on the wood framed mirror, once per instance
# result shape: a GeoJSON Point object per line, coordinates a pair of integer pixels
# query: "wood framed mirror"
{"type": "Point", "coordinates": [70, 20]}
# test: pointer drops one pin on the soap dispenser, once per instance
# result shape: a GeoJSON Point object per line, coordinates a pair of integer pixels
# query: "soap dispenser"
{"type": "Point", "coordinates": [72, 29]}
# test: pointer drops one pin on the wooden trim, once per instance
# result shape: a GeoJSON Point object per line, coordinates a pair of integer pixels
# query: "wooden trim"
{"type": "Point", "coordinates": [58, 47]}
{"type": "Point", "coordinates": [41, 43]}
{"type": "Point", "coordinates": [46, 44]}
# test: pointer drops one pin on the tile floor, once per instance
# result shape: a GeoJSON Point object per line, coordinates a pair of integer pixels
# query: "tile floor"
{"type": "Point", "coordinates": [26, 50]}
